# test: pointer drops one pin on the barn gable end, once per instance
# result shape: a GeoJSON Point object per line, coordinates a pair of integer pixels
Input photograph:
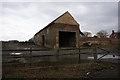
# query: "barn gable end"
{"type": "Point", "coordinates": [61, 32]}
{"type": "Point", "coordinates": [66, 18]}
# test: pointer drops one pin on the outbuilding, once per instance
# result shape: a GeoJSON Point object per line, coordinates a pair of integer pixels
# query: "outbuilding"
{"type": "Point", "coordinates": [62, 32]}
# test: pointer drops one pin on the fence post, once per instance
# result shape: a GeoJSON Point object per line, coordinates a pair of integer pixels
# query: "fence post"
{"type": "Point", "coordinates": [95, 53]}
{"type": "Point", "coordinates": [57, 54]}
{"type": "Point", "coordinates": [79, 54]}
{"type": "Point", "coordinates": [30, 57]}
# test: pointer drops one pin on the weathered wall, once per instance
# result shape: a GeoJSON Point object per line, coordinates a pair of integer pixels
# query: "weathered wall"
{"type": "Point", "coordinates": [47, 37]}
{"type": "Point", "coordinates": [52, 36]}
{"type": "Point", "coordinates": [65, 27]}
{"type": "Point", "coordinates": [104, 41]}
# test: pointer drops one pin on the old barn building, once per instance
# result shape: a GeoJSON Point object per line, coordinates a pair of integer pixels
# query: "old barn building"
{"type": "Point", "coordinates": [62, 32]}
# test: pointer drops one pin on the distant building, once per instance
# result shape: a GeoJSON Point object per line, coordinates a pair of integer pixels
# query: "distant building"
{"type": "Point", "coordinates": [115, 34]}
{"type": "Point", "coordinates": [62, 32]}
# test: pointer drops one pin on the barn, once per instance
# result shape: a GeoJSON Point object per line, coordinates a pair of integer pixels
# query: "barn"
{"type": "Point", "coordinates": [62, 32]}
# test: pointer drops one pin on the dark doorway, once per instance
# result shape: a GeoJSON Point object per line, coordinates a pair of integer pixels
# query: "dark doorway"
{"type": "Point", "coordinates": [43, 40]}
{"type": "Point", "coordinates": [67, 39]}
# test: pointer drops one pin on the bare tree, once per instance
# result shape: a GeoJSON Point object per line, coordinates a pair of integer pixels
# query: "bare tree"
{"type": "Point", "coordinates": [102, 34]}
{"type": "Point", "coordinates": [87, 34]}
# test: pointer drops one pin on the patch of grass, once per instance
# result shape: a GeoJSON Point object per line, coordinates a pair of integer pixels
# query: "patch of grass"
{"type": "Point", "coordinates": [54, 74]}
{"type": "Point", "coordinates": [14, 64]}
{"type": "Point", "coordinates": [14, 75]}
{"type": "Point", "coordinates": [114, 46]}
{"type": "Point", "coordinates": [57, 71]}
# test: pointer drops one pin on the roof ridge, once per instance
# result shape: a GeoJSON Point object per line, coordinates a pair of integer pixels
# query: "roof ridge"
{"type": "Point", "coordinates": [54, 21]}
{"type": "Point", "coordinates": [58, 18]}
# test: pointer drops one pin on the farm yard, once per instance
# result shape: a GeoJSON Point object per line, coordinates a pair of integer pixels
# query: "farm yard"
{"type": "Point", "coordinates": [31, 61]}
{"type": "Point", "coordinates": [38, 42]}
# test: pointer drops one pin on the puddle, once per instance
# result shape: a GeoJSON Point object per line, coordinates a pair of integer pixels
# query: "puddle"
{"type": "Point", "coordinates": [26, 48]}
{"type": "Point", "coordinates": [106, 57]}
{"type": "Point", "coordinates": [15, 53]}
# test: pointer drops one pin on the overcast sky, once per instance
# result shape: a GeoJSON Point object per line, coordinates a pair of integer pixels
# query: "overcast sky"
{"type": "Point", "coordinates": [21, 20]}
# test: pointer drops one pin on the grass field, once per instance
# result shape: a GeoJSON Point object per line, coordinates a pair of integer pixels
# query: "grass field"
{"type": "Point", "coordinates": [20, 70]}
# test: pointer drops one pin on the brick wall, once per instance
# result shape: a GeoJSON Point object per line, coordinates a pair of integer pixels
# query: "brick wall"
{"type": "Point", "coordinates": [105, 41]}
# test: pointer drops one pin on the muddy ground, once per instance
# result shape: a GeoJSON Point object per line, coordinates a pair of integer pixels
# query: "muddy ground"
{"type": "Point", "coordinates": [109, 67]}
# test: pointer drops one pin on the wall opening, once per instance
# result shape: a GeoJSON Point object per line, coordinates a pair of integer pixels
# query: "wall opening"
{"type": "Point", "coordinates": [67, 39]}
{"type": "Point", "coordinates": [43, 40]}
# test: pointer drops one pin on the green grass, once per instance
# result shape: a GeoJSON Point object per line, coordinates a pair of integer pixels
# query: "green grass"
{"type": "Point", "coordinates": [66, 71]}
{"type": "Point", "coordinates": [113, 47]}
{"type": "Point", "coordinates": [14, 75]}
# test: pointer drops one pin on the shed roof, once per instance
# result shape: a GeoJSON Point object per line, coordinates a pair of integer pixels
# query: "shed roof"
{"type": "Point", "coordinates": [65, 18]}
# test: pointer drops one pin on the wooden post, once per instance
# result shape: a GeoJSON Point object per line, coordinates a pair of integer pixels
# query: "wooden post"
{"type": "Point", "coordinates": [95, 53]}
{"type": "Point", "coordinates": [57, 54]}
{"type": "Point", "coordinates": [30, 57]}
{"type": "Point", "coordinates": [58, 51]}
{"type": "Point", "coordinates": [79, 54]}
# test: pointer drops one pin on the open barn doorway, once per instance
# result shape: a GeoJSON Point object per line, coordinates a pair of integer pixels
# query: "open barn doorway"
{"type": "Point", "coordinates": [67, 39]}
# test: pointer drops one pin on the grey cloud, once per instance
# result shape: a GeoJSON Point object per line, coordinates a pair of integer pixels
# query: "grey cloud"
{"type": "Point", "coordinates": [33, 16]}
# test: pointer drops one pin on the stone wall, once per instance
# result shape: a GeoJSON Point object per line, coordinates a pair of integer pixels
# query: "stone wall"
{"type": "Point", "coordinates": [104, 41]}
{"type": "Point", "coordinates": [51, 34]}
